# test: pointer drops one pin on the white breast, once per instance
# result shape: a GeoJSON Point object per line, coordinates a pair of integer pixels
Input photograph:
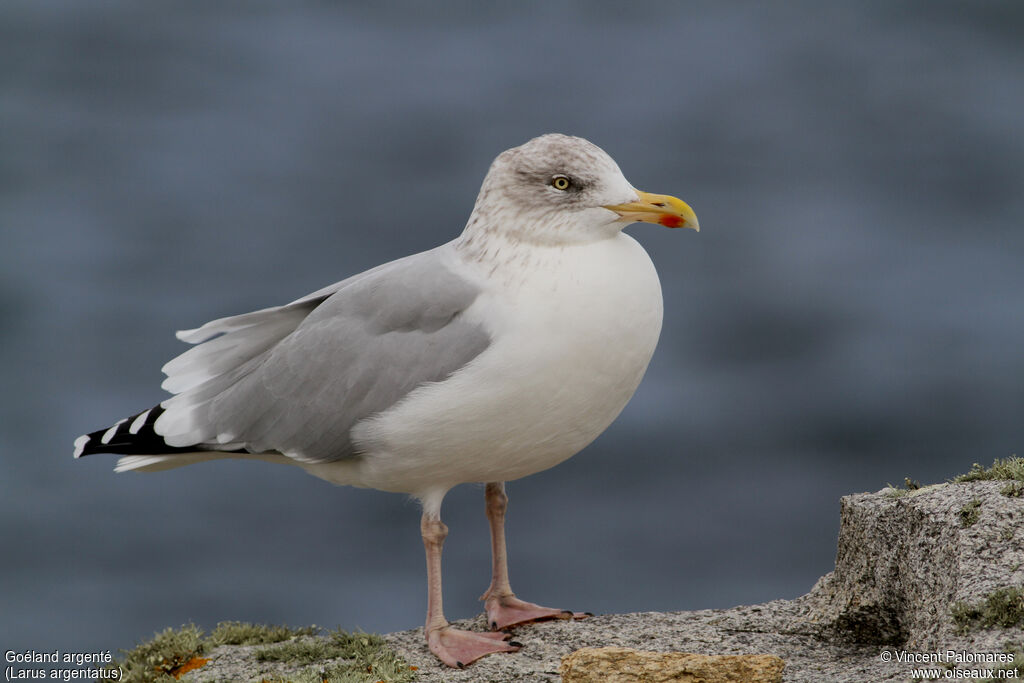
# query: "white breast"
{"type": "Point", "coordinates": [573, 330]}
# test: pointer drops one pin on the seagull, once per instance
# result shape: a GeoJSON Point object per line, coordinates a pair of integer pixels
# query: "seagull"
{"type": "Point", "coordinates": [494, 356]}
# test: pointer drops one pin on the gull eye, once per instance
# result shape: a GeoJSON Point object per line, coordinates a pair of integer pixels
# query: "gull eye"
{"type": "Point", "coordinates": [560, 182]}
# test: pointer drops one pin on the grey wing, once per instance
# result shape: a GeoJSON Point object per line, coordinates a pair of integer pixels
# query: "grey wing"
{"type": "Point", "coordinates": [295, 379]}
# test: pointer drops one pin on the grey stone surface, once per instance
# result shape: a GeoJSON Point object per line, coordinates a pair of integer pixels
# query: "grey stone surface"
{"type": "Point", "coordinates": [772, 628]}
{"type": "Point", "coordinates": [902, 562]}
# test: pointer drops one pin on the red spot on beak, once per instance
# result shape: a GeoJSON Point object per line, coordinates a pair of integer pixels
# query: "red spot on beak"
{"type": "Point", "coordinates": [670, 221]}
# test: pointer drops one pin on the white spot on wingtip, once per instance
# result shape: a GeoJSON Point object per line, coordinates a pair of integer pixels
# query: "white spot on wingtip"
{"type": "Point", "coordinates": [109, 434]}
{"type": "Point", "coordinates": [137, 423]}
{"type": "Point", "coordinates": [80, 444]}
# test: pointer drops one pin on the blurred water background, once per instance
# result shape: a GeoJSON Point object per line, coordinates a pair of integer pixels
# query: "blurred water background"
{"type": "Point", "coordinates": [851, 313]}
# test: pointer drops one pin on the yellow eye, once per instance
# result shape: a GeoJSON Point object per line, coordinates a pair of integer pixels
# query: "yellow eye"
{"type": "Point", "coordinates": [560, 182]}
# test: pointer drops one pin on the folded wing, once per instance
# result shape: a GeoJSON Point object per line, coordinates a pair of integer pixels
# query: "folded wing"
{"type": "Point", "coordinates": [295, 379]}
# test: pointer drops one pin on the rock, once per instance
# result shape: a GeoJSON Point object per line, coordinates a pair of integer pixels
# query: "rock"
{"type": "Point", "coordinates": [626, 665]}
{"type": "Point", "coordinates": [902, 564]}
{"type": "Point", "coordinates": [903, 561]}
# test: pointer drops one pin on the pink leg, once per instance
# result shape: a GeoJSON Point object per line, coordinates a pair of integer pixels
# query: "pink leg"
{"type": "Point", "coordinates": [503, 607]}
{"type": "Point", "coordinates": [454, 647]}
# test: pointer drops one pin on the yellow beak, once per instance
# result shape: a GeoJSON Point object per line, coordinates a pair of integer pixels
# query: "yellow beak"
{"type": "Point", "coordinates": [662, 209]}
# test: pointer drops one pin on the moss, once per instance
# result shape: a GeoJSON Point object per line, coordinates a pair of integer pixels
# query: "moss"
{"type": "Point", "coordinates": [242, 633]}
{"type": "Point", "coordinates": [1002, 608]}
{"type": "Point", "coordinates": [911, 488]}
{"type": "Point", "coordinates": [1011, 468]}
{"type": "Point", "coordinates": [1013, 489]}
{"type": "Point", "coordinates": [351, 673]}
{"type": "Point", "coordinates": [908, 486]}
{"type": "Point", "coordinates": [170, 654]}
{"type": "Point", "coordinates": [970, 513]}
{"type": "Point", "coordinates": [1008, 469]}
{"type": "Point", "coordinates": [299, 652]}
{"type": "Point", "coordinates": [894, 492]}
{"type": "Point", "coordinates": [306, 650]}
{"type": "Point", "coordinates": [366, 658]}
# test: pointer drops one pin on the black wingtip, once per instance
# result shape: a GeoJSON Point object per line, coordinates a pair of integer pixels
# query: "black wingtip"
{"type": "Point", "coordinates": [131, 436]}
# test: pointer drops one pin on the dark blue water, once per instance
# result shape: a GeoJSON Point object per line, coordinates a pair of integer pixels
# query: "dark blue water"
{"type": "Point", "coordinates": [851, 313]}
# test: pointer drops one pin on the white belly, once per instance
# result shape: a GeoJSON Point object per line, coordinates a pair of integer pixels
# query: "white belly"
{"type": "Point", "coordinates": [570, 345]}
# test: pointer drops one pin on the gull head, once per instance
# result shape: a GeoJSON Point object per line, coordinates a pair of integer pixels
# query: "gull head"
{"type": "Point", "coordinates": [559, 189]}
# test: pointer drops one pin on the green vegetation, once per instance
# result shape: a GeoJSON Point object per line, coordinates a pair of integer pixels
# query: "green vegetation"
{"type": "Point", "coordinates": [1013, 489]}
{"type": "Point", "coordinates": [910, 488]}
{"type": "Point", "coordinates": [242, 633]}
{"type": "Point", "coordinates": [1011, 468]}
{"type": "Point", "coordinates": [970, 513]}
{"type": "Point", "coordinates": [163, 659]}
{"type": "Point", "coordinates": [338, 644]}
{"type": "Point", "coordinates": [1006, 469]}
{"type": "Point", "coordinates": [1002, 608]}
{"type": "Point", "coordinates": [1002, 469]}
{"type": "Point", "coordinates": [367, 659]}
{"type": "Point", "coordinates": [347, 673]}
{"type": "Point", "coordinates": [173, 653]}
{"type": "Point", "coordinates": [894, 492]}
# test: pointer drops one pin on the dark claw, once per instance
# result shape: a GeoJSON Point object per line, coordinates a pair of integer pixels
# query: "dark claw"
{"type": "Point", "coordinates": [588, 614]}
{"type": "Point", "coordinates": [494, 626]}
{"type": "Point", "coordinates": [460, 665]}
{"type": "Point", "coordinates": [515, 643]}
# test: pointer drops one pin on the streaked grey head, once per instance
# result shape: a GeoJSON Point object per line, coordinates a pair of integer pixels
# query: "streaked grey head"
{"type": "Point", "coordinates": [559, 189]}
{"type": "Point", "coordinates": [559, 172]}
{"type": "Point", "coordinates": [552, 189]}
